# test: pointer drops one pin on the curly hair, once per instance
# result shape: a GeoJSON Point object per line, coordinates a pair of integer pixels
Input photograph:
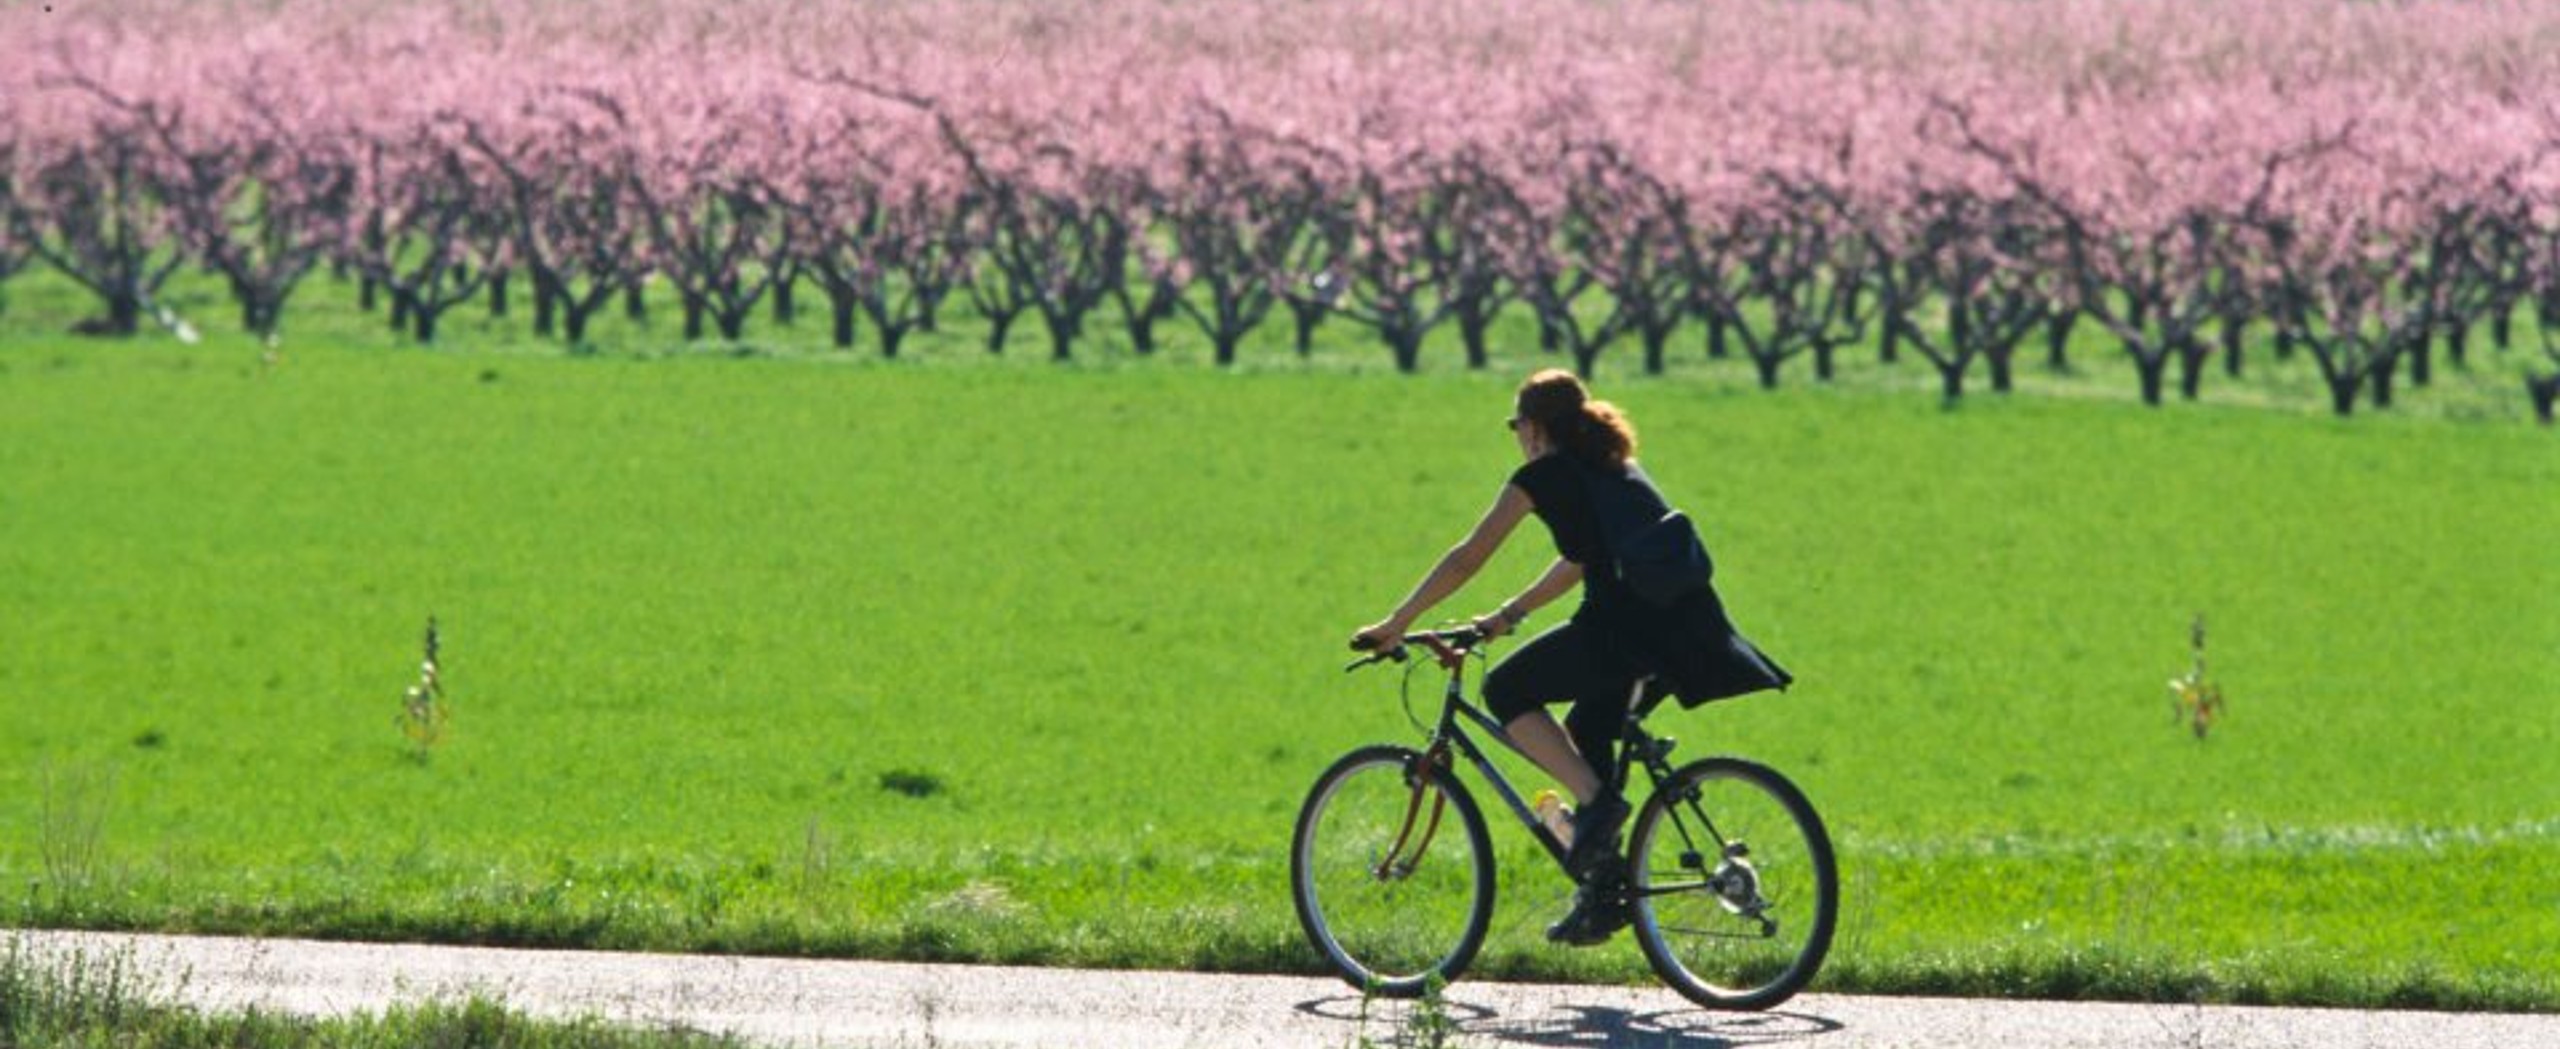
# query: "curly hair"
{"type": "Point", "coordinates": [1595, 432]}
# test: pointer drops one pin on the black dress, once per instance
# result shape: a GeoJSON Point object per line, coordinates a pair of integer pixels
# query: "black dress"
{"type": "Point", "coordinates": [1691, 646]}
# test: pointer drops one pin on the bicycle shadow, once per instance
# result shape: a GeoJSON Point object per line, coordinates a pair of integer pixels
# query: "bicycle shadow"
{"type": "Point", "coordinates": [1461, 1022]}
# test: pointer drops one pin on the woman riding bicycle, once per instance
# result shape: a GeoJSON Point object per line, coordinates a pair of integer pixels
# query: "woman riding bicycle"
{"type": "Point", "coordinates": [1580, 452]}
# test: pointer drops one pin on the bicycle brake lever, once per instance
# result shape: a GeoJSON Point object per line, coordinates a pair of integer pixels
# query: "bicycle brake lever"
{"type": "Point", "coordinates": [1397, 655]}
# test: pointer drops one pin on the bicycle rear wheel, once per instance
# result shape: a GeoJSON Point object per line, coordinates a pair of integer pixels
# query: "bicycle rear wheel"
{"type": "Point", "coordinates": [1736, 891]}
{"type": "Point", "coordinates": [1392, 871]}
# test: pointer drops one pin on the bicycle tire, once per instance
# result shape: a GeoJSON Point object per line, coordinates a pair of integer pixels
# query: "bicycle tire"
{"type": "Point", "coordinates": [1718, 936]}
{"type": "Point", "coordinates": [1391, 934]}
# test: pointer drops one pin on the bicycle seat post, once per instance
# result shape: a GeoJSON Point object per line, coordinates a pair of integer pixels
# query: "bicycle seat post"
{"type": "Point", "coordinates": [1642, 745]}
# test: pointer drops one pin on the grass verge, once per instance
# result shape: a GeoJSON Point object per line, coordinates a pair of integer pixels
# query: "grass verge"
{"type": "Point", "coordinates": [87, 1002]}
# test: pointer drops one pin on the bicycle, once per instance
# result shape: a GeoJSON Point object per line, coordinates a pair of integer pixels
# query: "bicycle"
{"type": "Point", "coordinates": [1730, 874]}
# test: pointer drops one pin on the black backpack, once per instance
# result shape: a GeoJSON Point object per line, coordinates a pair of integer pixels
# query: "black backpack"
{"type": "Point", "coordinates": [1661, 559]}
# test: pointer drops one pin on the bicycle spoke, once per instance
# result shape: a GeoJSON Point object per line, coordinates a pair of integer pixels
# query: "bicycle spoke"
{"type": "Point", "coordinates": [1735, 885]}
{"type": "Point", "coordinates": [1392, 884]}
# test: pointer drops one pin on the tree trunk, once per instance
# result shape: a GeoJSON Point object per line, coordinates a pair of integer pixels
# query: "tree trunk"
{"type": "Point", "coordinates": [1062, 337]}
{"type": "Point", "coordinates": [2192, 357]}
{"type": "Point", "coordinates": [1142, 332]}
{"type": "Point", "coordinates": [2382, 381]}
{"type": "Point", "coordinates": [546, 304]}
{"type": "Point", "coordinates": [785, 308]}
{"type": "Point", "coordinates": [131, 308]}
{"type": "Point", "coordinates": [2545, 391]}
{"type": "Point", "coordinates": [1768, 369]}
{"type": "Point", "coordinates": [2154, 372]}
{"type": "Point", "coordinates": [929, 299]}
{"type": "Point", "coordinates": [1406, 345]}
{"type": "Point", "coordinates": [843, 308]}
{"type": "Point", "coordinates": [270, 314]}
{"type": "Point", "coordinates": [1889, 348]}
{"type": "Point", "coordinates": [1586, 359]}
{"type": "Point", "coordinates": [692, 318]}
{"type": "Point", "coordinates": [633, 304]}
{"type": "Point", "coordinates": [2057, 339]}
{"type": "Point", "coordinates": [1719, 344]}
{"type": "Point", "coordinates": [1959, 355]}
{"type": "Point", "coordinates": [1307, 315]}
{"type": "Point", "coordinates": [1472, 325]}
{"type": "Point", "coordinates": [2234, 335]}
{"type": "Point", "coordinates": [998, 325]}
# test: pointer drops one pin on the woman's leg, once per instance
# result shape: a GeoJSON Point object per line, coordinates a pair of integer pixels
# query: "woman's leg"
{"type": "Point", "coordinates": [1561, 666]}
{"type": "Point", "coordinates": [1598, 718]}
{"type": "Point", "coordinates": [1546, 743]}
{"type": "Point", "coordinates": [1556, 667]}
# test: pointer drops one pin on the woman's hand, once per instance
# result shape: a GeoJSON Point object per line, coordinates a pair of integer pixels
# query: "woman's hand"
{"type": "Point", "coordinates": [1383, 636]}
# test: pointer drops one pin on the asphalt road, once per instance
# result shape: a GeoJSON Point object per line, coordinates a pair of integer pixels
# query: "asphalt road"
{"type": "Point", "coordinates": [778, 1002]}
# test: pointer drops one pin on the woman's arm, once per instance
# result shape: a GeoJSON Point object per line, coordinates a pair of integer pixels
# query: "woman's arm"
{"type": "Point", "coordinates": [1559, 580]}
{"type": "Point", "coordinates": [1455, 568]}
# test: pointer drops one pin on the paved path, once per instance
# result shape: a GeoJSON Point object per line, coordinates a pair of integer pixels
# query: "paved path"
{"type": "Point", "coordinates": [777, 1002]}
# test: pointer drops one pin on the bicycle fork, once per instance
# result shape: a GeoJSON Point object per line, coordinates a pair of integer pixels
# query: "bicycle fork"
{"type": "Point", "coordinates": [1396, 866]}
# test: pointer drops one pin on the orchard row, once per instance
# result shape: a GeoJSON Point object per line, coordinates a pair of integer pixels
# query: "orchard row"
{"type": "Point", "coordinates": [2367, 184]}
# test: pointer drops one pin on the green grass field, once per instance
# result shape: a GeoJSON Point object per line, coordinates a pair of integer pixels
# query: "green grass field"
{"type": "Point", "coordinates": [964, 658]}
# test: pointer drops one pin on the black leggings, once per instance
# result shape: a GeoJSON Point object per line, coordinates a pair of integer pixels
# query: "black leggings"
{"type": "Point", "coordinates": [1568, 665]}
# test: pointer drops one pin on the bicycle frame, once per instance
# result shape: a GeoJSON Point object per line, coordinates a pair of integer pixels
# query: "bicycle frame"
{"type": "Point", "coordinates": [1636, 746]}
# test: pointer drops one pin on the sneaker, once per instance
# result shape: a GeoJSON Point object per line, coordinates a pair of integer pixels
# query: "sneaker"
{"type": "Point", "coordinates": [1599, 911]}
{"type": "Point", "coordinates": [1595, 832]}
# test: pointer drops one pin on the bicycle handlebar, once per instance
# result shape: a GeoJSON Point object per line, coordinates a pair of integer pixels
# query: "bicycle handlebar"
{"type": "Point", "coordinates": [1442, 643]}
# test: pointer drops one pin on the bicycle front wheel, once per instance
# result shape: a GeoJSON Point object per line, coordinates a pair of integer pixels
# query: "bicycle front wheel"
{"type": "Point", "coordinates": [1735, 888]}
{"type": "Point", "coordinates": [1392, 871]}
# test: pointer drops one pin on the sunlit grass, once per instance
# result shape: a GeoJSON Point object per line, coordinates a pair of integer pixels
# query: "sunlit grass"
{"type": "Point", "coordinates": [996, 660]}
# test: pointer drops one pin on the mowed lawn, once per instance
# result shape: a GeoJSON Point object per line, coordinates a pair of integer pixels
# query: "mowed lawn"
{"type": "Point", "coordinates": [1007, 661]}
